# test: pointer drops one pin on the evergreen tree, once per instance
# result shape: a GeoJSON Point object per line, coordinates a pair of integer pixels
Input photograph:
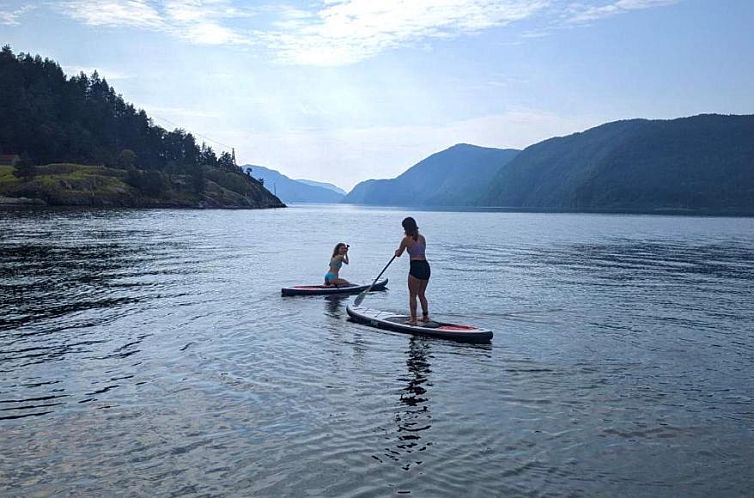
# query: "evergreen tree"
{"type": "Point", "coordinates": [25, 169]}
{"type": "Point", "coordinates": [83, 120]}
{"type": "Point", "coordinates": [126, 159]}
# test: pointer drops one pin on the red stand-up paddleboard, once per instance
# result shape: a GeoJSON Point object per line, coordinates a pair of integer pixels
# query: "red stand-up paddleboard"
{"type": "Point", "coordinates": [316, 290]}
{"type": "Point", "coordinates": [397, 323]}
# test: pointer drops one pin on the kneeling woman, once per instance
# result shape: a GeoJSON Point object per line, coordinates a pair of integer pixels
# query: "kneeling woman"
{"type": "Point", "coordinates": [418, 275]}
{"type": "Point", "coordinates": [339, 256]}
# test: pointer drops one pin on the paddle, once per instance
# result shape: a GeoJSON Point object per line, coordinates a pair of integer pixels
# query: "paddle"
{"type": "Point", "coordinates": [363, 294]}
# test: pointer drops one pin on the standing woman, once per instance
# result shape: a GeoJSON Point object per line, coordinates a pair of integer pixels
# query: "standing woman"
{"type": "Point", "coordinates": [418, 274]}
{"type": "Point", "coordinates": [339, 256]}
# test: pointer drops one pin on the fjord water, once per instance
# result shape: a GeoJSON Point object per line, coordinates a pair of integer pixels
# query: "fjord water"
{"type": "Point", "coordinates": [150, 352]}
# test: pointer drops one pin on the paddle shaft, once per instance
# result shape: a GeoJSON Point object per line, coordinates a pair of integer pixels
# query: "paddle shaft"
{"type": "Point", "coordinates": [360, 297]}
{"type": "Point", "coordinates": [383, 271]}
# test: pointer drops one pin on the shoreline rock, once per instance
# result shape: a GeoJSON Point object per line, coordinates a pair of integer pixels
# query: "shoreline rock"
{"type": "Point", "coordinates": [21, 201]}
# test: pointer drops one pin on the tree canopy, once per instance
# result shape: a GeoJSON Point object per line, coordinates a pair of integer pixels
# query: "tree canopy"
{"type": "Point", "coordinates": [52, 118]}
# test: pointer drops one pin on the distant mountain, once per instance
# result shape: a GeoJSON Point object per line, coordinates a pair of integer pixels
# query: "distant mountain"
{"type": "Point", "coordinates": [328, 186]}
{"type": "Point", "coordinates": [289, 190]}
{"type": "Point", "coordinates": [700, 163]}
{"type": "Point", "coordinates": [453, 177]}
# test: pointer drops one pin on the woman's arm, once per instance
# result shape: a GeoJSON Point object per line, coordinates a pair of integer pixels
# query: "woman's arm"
{"type": "Point", "coordinates": [401, 248]}
{"type": "Point", "coordinates": [345, 258]}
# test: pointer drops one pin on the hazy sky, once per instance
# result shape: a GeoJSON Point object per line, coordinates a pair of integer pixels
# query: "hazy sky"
{"type": "Point", "coordinates": [346, 90]}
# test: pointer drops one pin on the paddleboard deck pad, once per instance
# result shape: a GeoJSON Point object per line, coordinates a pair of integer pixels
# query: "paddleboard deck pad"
{"type": "Point", "coordinates": [317, 290]}
{"type": "Point", "coordinates": [398, 323]}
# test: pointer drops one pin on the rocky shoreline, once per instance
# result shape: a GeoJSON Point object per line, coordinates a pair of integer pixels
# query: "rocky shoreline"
{"type": "Point", "coordinates": [20, 201]}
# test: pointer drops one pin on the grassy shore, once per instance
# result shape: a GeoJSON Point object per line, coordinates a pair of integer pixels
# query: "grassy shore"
{"type": "Point", "coordinates": [67, 184]}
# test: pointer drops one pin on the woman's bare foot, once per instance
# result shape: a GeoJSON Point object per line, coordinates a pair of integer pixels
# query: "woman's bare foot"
{"type": "Point", "coordinates": [411, 321]}
{"type": "Point", "coordinates": [425, 317]}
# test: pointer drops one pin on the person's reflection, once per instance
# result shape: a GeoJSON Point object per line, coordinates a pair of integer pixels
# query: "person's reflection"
{"type": "Point", "coordinates": [334, 305]}
{"type": "Point", "coordinates": [413, 416]}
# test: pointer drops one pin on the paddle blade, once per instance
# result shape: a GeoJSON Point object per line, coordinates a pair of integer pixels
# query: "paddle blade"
{"type": "Point", "coordinates": [360, 297]}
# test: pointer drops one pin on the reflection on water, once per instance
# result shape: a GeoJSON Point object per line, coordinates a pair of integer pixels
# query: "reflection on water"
{"type": "Point", "coordinates": [412, 416]}
{"type": "Point", "coordinates": [335, 306]}
{"type": "Point", "coordinates": [150, 352]}
{"type": "Point", "coordinates": [416, 416]}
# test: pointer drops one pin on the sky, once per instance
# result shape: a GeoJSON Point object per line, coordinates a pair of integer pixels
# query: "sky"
{"type": "Point", "coordinates": [342, 91]}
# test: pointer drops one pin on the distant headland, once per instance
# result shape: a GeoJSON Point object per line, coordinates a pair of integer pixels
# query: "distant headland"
{"type": "Point", "coordinates": [76, 142]}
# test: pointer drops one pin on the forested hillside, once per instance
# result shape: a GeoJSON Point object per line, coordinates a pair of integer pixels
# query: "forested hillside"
{"type": "Point", "coordinates": [453, 177]}
{"type": "Point", "coordinates": [48, 118]}
{"type": "Point", "coordinates": [702, 163]}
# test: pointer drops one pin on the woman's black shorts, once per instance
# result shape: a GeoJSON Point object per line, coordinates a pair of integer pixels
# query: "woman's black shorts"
{"type": "Point", "coordinates": [419, 269]}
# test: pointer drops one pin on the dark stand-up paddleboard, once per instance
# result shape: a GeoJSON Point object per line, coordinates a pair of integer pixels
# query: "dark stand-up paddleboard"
{"type": "Point", "coordinates": [322, 290]}
{"type": "Point", "coordinates": [397, 323]}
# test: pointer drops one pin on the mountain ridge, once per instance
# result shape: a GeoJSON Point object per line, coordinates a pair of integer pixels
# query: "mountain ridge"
{"type": "Point", "coordinates": [703, 162]}
{"type": "Point", "coordinates": [328, 186]}
{"type": "Point", "coordinates": [445, 178]}
{"type": "Point", "coordinates": [290, 190]}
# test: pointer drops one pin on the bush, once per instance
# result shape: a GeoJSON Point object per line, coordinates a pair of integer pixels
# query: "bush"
{"type": "Point", "coordinates": [150, 182]}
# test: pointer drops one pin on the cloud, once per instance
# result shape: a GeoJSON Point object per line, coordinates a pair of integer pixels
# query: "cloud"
{"type": "Point", "coordinates": [339, 32]}
{"type": "Point", "coordinates": [580, 13]}
{"type": "Point", "coordinates": [201, 22]}
{"type": "Point", "coordinates": [347, 31]}
{"type": "Point", "coordinates": [200, 10]}
{"type": "Point", "coordinates": [210, 33]}
{"type": "Point", "coordinates": [130, 13]}
{"type": "Point", "coordinates": [10, 17]}
{"type": "Point", "coordinates": [198, 21]}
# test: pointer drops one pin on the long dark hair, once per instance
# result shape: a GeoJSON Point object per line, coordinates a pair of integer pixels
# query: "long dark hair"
{"type": "Point", "coordinates": [337, 248]}
{"type": "Point", "coordinates": [409, 226]}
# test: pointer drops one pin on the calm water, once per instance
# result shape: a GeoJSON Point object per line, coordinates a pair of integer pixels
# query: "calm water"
{"type": "Point", "coordinates": [150, 353]}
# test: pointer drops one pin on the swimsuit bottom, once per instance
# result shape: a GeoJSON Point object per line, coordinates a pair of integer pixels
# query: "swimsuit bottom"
{"type": "Point", "coordinates": [329, 277]}
{"type": "Point", "coordinates": [419, 269]}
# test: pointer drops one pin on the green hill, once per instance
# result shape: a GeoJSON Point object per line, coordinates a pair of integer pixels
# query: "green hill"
{"type": "Point", "coordinates": [453, 177]}
{"type": "Point", "coordinates": [700, 164]}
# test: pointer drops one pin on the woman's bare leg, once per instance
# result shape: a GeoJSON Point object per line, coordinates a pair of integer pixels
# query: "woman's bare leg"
{"type": "Point", "coordinates": [413, 290]}
{"type": "Point", "coordinates": [423, 300]}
